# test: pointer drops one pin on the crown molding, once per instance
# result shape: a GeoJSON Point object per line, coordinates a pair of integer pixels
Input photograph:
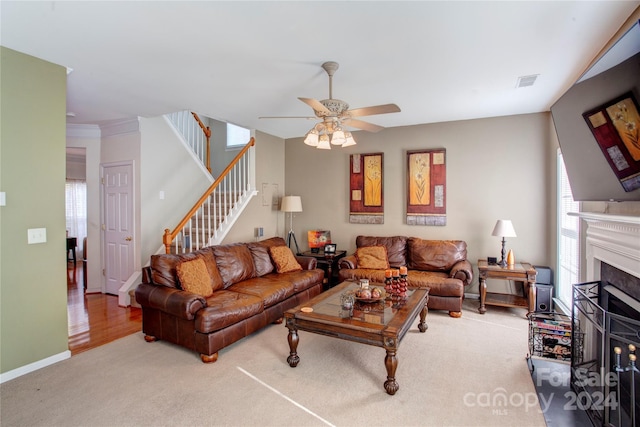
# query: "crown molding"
{"type": "Point", "coordinates": [120, 127]}
{"type": "Point", "coordinates": [83, 131]}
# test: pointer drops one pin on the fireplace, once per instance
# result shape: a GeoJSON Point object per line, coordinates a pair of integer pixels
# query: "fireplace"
{"type": "Point", "coordinates": [606, 322]}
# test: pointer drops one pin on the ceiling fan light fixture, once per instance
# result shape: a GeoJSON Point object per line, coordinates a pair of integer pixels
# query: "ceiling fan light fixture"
{"type": "Point", "coordinates": [311, 138]}
{"type": "Point", "coordinates": [338, 137]}
{"type": "Point", "coordinates": [323, 143]}
{"type": "Point", "coordinates": [349, 141]}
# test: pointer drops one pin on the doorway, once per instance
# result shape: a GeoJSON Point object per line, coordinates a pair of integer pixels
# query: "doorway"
{"type": "Point", "coordinates": [94, 318]}
{"type": "Point", "coordinates": [76, 198]}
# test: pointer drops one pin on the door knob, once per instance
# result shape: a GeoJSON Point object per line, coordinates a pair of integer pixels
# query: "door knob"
{"type": "Point", "coordinates": [128, 239]}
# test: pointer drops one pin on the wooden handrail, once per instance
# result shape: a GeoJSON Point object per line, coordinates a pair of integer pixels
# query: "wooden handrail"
{"type": "Point", "coordinates": [207, 134]}
{"type": "Point", "coordinates": [168, 236]}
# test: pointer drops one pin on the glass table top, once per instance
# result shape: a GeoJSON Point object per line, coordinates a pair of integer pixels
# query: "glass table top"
{"type": "Point", "coordinates": [377, 313]}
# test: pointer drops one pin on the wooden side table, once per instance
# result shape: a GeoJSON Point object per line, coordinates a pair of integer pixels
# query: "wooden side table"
{"type": "Point", "coordinates": [520, 272]}
{"type": "Point", "coordinates": [328, 262]}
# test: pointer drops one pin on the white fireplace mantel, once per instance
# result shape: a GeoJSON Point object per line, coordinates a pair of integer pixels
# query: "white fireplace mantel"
{"type": "Point", "coordinates": [613, 239]}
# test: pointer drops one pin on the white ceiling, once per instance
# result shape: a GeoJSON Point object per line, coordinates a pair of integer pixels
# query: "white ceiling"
{"type": "Point", "coordinates": [237, 61]}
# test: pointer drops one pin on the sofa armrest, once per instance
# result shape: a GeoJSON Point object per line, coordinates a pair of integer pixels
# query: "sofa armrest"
{"type": "Point", "coordinates": [347, 262]}
{"type": "Point", "coordinates": [172, 301]}
{"type": "Point", "coordinates": [307, 262]}
{"type": "Point", "coordinates": [462, 270]}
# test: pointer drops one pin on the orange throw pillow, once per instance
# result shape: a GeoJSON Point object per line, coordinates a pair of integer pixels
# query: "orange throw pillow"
{"type": "Point", "coordinates": [284, 259]}
{"type": "Point", "coordinates": [194, 277]}
{"type": "Point", "coordinates": [374, 257]}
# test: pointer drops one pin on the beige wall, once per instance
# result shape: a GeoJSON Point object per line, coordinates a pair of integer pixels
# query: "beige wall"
{"type": "Point", "coordinates": [261, 212]}
{"type": "Point", "coordinates": [167, 166]}
{"type": "Point", "coordinates": [497, 168]}
{"type": "Point", "coordinates": [33, 307]}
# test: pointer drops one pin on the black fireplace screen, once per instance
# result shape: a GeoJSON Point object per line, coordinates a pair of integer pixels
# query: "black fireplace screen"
{"type": "Point", "coordinates": [604, 374]}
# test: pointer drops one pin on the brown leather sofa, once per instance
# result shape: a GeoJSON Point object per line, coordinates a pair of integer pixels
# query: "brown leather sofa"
{"type": "Point", "coordinates": [440, 265]}
{"type": "Point", "coordinates": [248, 294]}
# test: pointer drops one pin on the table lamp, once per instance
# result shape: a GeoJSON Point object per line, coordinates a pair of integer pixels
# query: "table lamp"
{"type": "Point", "coordinates": [504, 228]}
{"type": "Point", "coordinates": [291, 204]}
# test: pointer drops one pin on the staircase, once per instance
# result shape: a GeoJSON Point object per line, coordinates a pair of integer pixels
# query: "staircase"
{"type": "Point", "coordinates": [213, 215]}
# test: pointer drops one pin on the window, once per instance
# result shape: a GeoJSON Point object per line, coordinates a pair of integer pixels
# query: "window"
{"type": "Point", "coordinates": [568, 238]}
{"type": "Point", "coordinates": [237, 136]}
{"type": "Point", "coordinates": [76, 210]}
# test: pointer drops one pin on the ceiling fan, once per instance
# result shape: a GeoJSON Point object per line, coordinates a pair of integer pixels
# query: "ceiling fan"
{"type": "Point", "coordinates": [335, 115]}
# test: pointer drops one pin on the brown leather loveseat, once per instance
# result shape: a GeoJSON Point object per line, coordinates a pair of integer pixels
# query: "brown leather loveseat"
{"type": "Point", "coordinates": [233, 290]}
{"type": "Point", "coordinates": [440, 265]}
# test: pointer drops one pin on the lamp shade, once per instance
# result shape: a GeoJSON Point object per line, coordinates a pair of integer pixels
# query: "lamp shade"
{"type": "Point", "coordinates": [504, 228]}
{"type": "Point", "coordinates": [291, 204]}
{"type": "Point", "coordinates": [323, 143]}
{"type": "Point", "coordinates": [349, 139]}
{"type": "Point", "coordinates": [338, 137]}
{"type": "Point", "coordinates": [312, 138]}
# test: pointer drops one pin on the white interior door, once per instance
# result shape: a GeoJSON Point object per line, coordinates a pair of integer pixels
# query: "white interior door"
{"type": "Point", "coordinates": [118, 225]}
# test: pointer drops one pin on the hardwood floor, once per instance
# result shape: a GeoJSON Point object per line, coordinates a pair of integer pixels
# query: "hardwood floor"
{"type": "Point", "coordinates": [96, 319]}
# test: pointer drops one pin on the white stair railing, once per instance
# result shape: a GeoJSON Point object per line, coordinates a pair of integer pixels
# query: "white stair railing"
{"type": "Point", "coordinates": [215, 212]}
{"type": "Point", "coordinates": [194, 132]}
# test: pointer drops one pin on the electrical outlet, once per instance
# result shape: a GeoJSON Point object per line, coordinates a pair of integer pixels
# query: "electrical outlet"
{"type": "Point", "coordinates": [36, 235]}
{"type": "Point", "coordinates": [259, 232]}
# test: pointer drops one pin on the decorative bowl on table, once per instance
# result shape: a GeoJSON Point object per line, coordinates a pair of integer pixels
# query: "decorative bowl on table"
{"type": "Point", "coordinates": [372, 295]}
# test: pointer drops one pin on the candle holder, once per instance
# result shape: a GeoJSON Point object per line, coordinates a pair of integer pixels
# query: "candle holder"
{"type": "Point", "coordinates": [347, 301]}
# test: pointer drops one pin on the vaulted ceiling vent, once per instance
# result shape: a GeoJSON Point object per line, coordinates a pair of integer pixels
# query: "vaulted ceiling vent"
{"type": "Point", "coordinates": [524, 81]}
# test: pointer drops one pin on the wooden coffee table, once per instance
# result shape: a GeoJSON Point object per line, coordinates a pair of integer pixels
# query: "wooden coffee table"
{"type": "Point", "coordinates": [382, 324]}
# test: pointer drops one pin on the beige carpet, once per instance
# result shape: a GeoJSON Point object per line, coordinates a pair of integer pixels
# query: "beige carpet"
{"type": "Point", "coordinates": [462, 372]}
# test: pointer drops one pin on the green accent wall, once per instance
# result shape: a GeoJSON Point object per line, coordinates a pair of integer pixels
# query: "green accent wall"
{"type": "Point", "coordinates": [33, 290]}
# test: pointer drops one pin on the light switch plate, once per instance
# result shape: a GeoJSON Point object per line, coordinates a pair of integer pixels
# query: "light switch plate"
{"type": "Point", "coordinates": [36, 235]}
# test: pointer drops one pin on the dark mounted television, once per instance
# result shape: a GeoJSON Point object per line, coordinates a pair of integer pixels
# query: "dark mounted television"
{"type": "Point", "coordinates": [601, 170]}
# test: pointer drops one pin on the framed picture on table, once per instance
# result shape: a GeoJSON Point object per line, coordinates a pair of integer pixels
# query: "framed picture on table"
{"type": "Point", "coordinates": [330, 249]}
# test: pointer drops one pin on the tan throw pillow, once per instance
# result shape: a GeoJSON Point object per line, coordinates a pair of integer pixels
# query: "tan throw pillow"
{"type": "Point", "coordinates": [374, 257]}
{"type": "Point", "coordinates": [194, 277]}
{"type": "Point", "coordinates": [284, 259]}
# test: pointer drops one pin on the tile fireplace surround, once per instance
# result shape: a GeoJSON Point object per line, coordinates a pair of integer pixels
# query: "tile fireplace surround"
{"type": "Point", "coordinates": [612, 244]}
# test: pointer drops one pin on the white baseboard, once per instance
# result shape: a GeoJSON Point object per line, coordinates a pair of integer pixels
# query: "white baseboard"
{"type": "Point", "coordinates": [23, 370]}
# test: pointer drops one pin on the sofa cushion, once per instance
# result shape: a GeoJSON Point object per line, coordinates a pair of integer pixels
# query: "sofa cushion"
{"type": "Point", "coordinates": [271, 289]}
{"type": "Point", "coordinates": [435, 255]}
{"type": "Point", "coordinates": [284, 259]}
{"type": "Point", "coordinates": [374, 257]}
{"type": "Point", "coordinates": [438, 283]}
{"type": "Point", "coordinates": [355, 274]}
{"type": "Point", "coordinates": [260, 254]}
{"type": "Point", "coordinates": [163, 267]}
{"type": "Point", "coordinates": [225, 308]}
{"type": "Point", "coordinates": [234, 262]}
{"type": "Point", "coordinates": [194, 277]}
{"type": "Point", "coordinates": [396, 247]}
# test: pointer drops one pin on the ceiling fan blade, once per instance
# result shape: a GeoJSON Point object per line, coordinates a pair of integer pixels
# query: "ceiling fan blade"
{"type": "Point", "coordinates": [377, 109]}
{"type": "Point", "coordinates": [370, 127]}
{"type": "Point", "coordinates": [288, 117]}
{"type": "Point", "coordinates": [315, 104]}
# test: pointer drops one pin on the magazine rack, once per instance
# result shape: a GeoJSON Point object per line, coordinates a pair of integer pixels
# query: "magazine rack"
{"type": "Point", "coordinates": [549, 337]}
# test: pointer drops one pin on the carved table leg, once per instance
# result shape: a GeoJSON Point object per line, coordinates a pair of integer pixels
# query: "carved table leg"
{"type": "Point", "coordinates": [532, 298]}
{"type": "Point", "coordinates": [293, 358]}
{"type": "Point", "coordinates": [391, 363]}
{"type": "Point", "coordinates": [423, 316]}
{"type": "Point", "coordinates": [483, 295]}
